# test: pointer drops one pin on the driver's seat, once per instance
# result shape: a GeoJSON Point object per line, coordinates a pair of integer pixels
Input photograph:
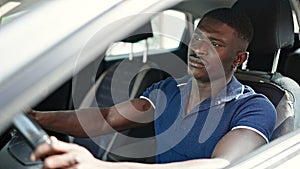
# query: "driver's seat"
{"type": "Point", "coordinates": [273, 30]}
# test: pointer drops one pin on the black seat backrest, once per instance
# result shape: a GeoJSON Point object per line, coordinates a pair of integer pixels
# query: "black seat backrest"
{"type": "Point", "coordinates": [273, 30]}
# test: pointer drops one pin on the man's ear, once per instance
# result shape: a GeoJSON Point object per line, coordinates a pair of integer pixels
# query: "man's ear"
{"type": "Point", "coordinates": [240, 58]}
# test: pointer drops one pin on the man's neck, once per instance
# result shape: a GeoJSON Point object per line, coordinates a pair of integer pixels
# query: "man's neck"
{"type": "Point", "coordinates": [202, 90]}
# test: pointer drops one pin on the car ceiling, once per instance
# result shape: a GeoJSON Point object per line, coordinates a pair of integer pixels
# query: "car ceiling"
{"type": "Point", "coordinates": [199, 7]}
{"type": "Point", "coordinates": [195, 7]}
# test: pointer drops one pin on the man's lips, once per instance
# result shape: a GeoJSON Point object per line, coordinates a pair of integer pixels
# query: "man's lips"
{"type": "Point", "coordinates": [197, 62]}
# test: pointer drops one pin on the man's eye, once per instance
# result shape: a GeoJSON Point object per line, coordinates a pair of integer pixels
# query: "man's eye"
{"type": "Point", "coordinates": [215, 44]}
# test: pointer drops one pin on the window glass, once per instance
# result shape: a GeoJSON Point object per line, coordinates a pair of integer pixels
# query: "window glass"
{"type": "Point", "coordinates": [168, 28]}
{"type": "Point", "coordinates": [10, 9]}
{"type": "Point", "coordinates": [5, 9]}
{"type": "Point", "coordinates": [296, 24]}
{"type": "Point", "coordinates": [196, 21]}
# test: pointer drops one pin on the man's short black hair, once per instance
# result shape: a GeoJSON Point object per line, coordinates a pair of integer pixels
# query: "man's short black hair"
{"type": "Point", "coordinates": [235, 19]}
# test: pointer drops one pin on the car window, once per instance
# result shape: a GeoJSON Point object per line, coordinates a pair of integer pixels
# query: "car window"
{"type": "Point", "coordinates": [296, 24]}
{"type": "Point", "coordinates": [165, 36]}
{"type": "Point", "coordinates": [196, 21]}
{"type": "Point", "coordinates": [10, 9]}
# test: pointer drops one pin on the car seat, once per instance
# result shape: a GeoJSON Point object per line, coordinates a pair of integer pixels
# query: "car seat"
{"type": "Point", "coordinates": [273, 30]}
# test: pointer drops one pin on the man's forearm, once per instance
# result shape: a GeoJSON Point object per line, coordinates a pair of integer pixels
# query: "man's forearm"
{"type": "Point", "coordinates": [59, 121]}
{"type": "Point", "coordinates": [89, 122]}
{"type": "Point", "coordinates": [78, 123]}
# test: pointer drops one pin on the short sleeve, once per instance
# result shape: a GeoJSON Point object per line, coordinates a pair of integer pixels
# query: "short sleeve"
{"type": "Point", "coordinates": [157, 94]}
{"type": "Point", "coordinates": [151, 93]}
{"type": "Point", "coordinates": [256, 113]}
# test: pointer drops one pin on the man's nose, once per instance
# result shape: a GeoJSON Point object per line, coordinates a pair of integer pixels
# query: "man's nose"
{"type": "Point", "coordinates": [200, 48]}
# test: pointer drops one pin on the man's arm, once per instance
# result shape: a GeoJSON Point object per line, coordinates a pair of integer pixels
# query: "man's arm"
{"type": "Point", "coordinates": [97, 121]}
{"type": "Point", "coordinates": [237, 143]}
{"type": "Point", "coordinates": [233, 145]}
{"type": "Point", "coordinates": [67, 155]}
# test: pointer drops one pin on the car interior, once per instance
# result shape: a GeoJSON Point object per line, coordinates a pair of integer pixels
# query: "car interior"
{"type": "Point", "coordinates": [133, 74]}
{"type": "Point", "coordinates": [112, 78]}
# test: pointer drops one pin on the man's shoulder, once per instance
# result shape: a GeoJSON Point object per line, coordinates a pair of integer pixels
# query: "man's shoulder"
{"type": "Point", "coordinates": [250, 97]}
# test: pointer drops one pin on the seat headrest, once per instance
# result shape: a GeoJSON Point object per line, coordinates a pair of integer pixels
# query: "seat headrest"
{"type": "Point", "coordinates": [139, 34]}
{"type": "Point", "coordinates": [272, 22]}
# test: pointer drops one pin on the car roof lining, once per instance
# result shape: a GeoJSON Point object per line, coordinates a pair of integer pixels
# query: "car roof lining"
{"type": "Point", "coordinates": [198, 8]}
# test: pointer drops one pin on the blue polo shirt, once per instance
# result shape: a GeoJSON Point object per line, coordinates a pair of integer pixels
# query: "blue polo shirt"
{"type": "Point", "coordinates": [194, 135]}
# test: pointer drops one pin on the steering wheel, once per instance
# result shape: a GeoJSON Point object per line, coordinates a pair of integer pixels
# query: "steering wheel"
{"type": "Point", "coordinates": [30, 130]}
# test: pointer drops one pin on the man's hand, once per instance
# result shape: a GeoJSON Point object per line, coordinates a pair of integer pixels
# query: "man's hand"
{"type": "Point", "coordinates": [59, 154]}
{"type": "Point", "coordinates": [63, 155]}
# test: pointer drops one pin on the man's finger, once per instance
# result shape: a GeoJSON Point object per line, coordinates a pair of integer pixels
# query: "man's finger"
{"type": "Point", "coordinates": [67, 160]}
{"type": "Point", "coordinates": [56, 147]}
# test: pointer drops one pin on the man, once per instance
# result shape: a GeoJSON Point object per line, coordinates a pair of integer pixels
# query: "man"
{"type": "Point", "coordinates": [207, 119]}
